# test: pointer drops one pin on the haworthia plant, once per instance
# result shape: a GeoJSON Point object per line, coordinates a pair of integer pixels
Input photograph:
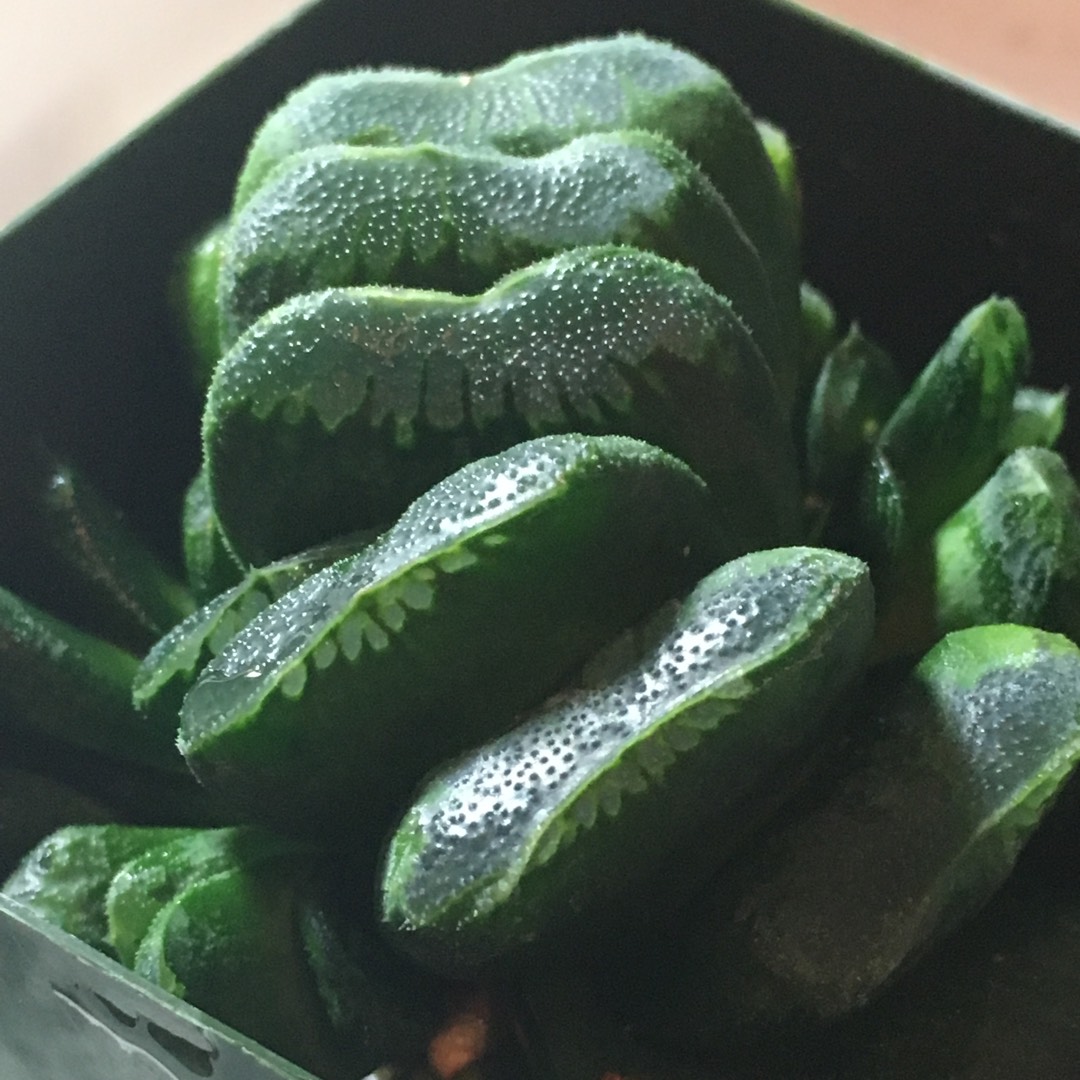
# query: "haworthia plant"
{"type": "Point", "coordinates": [854, 395]}
{"type": "Point", "coordinates": [75, 688]}
{"type": "Point", "coordinates": [168, 670]}
{"type": "Point", "coordinates": [430, 216]}
{"type": "Point", "coordinates": [364, 398]}
{"type": "Point", "coordinates": [1011, 553]}
{"type": "Point", "coordinates": [210, 564]}
{"type": "Point", "coordinates": [64, 879]}
{"type": "Point", "coordinates": [539, 100]}
{"type": "Point", "coordinates": [942, 440]}
{"type": "Point", "coordinates": [328, 707]}
{"type": "Point", "coordinates": [590, 796]}
{"type": "Point", "coordinates": [906, 835]}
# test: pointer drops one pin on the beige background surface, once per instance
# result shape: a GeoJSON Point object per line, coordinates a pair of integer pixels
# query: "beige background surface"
{"type": "Point", "coordinates": [77, 74]}
{"type": "Point", "coordinates": [1027, 49]}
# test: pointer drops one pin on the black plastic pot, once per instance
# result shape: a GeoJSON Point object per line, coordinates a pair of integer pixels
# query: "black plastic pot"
{"type": "Point", "coordinates": [922, 196]}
